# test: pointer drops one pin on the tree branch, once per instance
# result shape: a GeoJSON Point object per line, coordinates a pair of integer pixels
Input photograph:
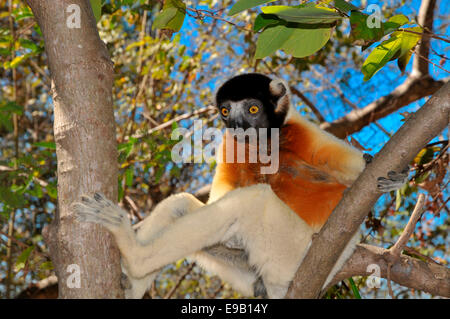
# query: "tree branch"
{"type": "Point", "coordinates": [409, 91]}
{"type": "Point", "coordinates": [425, 20]}
{"type": "Point", "coordinates": [406, 271]}
{"type": "Point", "coordinates": [396, 250]}
{"type": "Point", "coordinates": [345, 220]}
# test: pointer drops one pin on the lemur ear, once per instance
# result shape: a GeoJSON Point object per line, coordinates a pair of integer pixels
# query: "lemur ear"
{"type": "Point", "coordinates": [280, 90]}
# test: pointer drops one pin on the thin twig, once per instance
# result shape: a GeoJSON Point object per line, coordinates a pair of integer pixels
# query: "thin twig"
{"type": "Point", "coordinates": [442, 206]}
{"type": "Point", "coordinates": [350, 103]}
{"type": "Point", "coordinates": [431, 62]}
{"type": "Point", "coordinates": [313, 108]}
{"type": "Point", "coordinates": [176, 119]}
{"type": "Point", "coordinates": [389, 284]}
{"type": "Point", "coordinates": [10, 169]}
{"type": "Point", "coordinates": [23, 245]}
{"type": "Point", "coordinates": [427, 34]}
{"type": "Point", "coordinates": [201, 14]}
{"type": "Point", "coordinates": [179, 280]}
{"type": "Point", "coordinates": [134, 207]}
{"type": "Point", "coordinates": [409, 229]}
{"type": "Point", "coordinates": [413, 251]}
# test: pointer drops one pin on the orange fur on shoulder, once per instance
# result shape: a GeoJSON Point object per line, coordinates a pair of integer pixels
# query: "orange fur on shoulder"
{"type": "Point", "coordinates": [301, 181]}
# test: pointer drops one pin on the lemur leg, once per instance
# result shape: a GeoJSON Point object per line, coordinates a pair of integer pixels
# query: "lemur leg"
{"type": "Point", "coordinates": [230, 264]}
{"type": "Point", "coordinates": [259, 220]}
{"type": "Point", "coordinates": [135, 288]}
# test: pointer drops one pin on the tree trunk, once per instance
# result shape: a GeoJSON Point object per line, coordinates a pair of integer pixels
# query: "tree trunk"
{"type": "Point", "coordinates": [86, 147]}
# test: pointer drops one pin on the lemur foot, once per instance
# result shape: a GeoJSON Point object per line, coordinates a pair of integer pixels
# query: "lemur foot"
{"type": "Point", "coordinates": [100, 210]}
{"type": "Point", "coordinates": [393, 182]}
{"type": "Point", "coordinates": [259, 290]}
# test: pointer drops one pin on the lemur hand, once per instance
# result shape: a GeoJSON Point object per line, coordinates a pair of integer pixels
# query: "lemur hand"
{"type": "Point", "coordinates": [393, 182]}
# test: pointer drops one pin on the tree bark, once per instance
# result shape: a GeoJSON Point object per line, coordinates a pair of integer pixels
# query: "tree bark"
{"type": "Point", "coordinates": [86, 146]}
{"type": "Point", "coordinates": [347, 217]}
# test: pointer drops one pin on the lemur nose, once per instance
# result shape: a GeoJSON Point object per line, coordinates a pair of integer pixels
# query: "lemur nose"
{"type": "Point", "coordinates": [236, 119]}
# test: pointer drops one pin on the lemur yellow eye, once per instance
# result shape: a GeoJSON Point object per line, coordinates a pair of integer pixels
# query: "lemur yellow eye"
{"type": "Point", "coordinates": [253, 109]}
{"type": "Point", "coordinates": [224, 111]}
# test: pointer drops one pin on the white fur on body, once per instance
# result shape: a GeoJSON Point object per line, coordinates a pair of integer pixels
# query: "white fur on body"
{"type": "Point", "coordinates": [275, 238]}
{"type": "Point", "coordinates": [263, 222]}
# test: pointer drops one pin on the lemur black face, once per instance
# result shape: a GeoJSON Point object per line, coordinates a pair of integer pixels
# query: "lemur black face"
{"type": "Point", "coordinates": [247, 101]}
{"type": "Point", "coordinates": [245, 113]}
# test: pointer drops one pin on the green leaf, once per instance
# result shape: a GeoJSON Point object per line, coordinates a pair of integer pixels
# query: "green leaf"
{"type": "Point", "coordinates": [271, 39]}
{"type": "Point", "coordinates": [297, 41]}
{"type": "Point", "coordinates": [16, 61]}
{"type": "Point", "coordinates": [120, 192]}
{"type": "Point", "coordinates": [309, 15]}
{"type": "Point", "coordinates": [394, 23]}
{"type": "Point", "coordinates": [305, 42]}
{"type": "Point", "coordinates": [11, 198]}
{"type": "Point", "coordinates": [5, 52]}
{"type": "Point", "coordinates": [22, 259]}
{"type": "Point", "coordinates": [46, 265]}
{"type": "Point", "coordinates": [354, 288]}
{"type": "Point", "coordinates": [164, 17]}
{"type": "Point", "coordinates": [361, 34]}
{"type": "Point", "coordinates": [25, 12]}
{"type": "Point", "coordinates": [172, 16]}
{"type": "Point", "coordinates": [129, 176]}
{"type": "Point", "coordinates": [398, 46]}
{"type": "Point", "coordinates": [97, 9]}
{"type": "Point", "coordinates": [49, 145]}
{"type": "Point", "coordinates": [264, 20]}
{"type": "Point", "coordinates": [344, 6]}
{"type": "Point", "coordinates": [27, 44]}
{"type": "Point", "coordinates": [159, 173]}
{"type": "Point", "coordinates": [52, 191]}
{"type": "Point", "coordinates": [403, 61]}
{"type": "Point", "coordinates": [242, 5]}
{"type": "Point", "coordinates": [409, 40]}
{"type": "Point", "coordinates": [11, 107]}
{"type": "Point", "coordinates": [380, 56]}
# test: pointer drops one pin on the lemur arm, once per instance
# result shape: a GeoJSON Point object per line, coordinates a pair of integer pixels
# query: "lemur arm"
{"type": "Point", "coordinates": [337, 158]}
{"type": "Point", "coordinates": [328, 153]}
